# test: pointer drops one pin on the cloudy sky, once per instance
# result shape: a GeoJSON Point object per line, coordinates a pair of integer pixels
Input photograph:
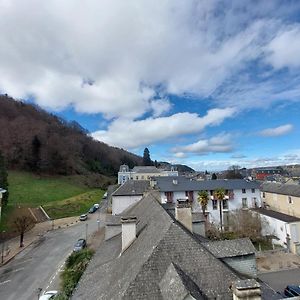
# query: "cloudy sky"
{"type": "Point", "coordinates": [207, 83]}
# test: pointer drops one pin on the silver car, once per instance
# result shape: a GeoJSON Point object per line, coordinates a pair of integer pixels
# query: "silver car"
{"type": "Point", "coordinates": [80, 244]}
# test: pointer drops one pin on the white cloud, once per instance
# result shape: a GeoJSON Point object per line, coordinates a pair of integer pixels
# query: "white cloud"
{"type": "Point", "coordinates": [284, 49]}
{"type": "Point", "coordinates": [277, 131]}
{"type": "Point", "coordinates": [222, 143]}
{"type": "Point", "coordinates": [128, 49]}
{"type": "Point", "coordinates": [130, 134]}
{"type": "Point", "coordinates": [160, 106]}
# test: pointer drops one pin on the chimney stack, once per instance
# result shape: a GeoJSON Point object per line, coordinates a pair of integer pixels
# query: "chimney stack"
{"type": "Point", "coordinates": [248, 289]}
{"type": "Point", "coordinates": [183, 214]}
{"type": "Point", "coordinates": [175, 181]}
{"type": "Point", "coordinates": [128, 231]}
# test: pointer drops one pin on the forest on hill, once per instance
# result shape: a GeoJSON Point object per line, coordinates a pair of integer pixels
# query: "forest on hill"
{"type": "Point", "coordinates": [32, 139]}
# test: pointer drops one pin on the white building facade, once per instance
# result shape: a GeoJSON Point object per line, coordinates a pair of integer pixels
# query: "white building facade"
{"type": "Point", "coordinates": [240, 194]}
{"type": "Point", "coordinates": [142, 173]}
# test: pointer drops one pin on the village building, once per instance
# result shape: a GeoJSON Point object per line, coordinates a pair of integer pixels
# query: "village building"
{"type": "Point", "coordinates": [156, 256]}
{"type": "Point", "coordinates": [142, 173]}
{"type": "Point", "coordinates": [284, 198]}
{"type": "Point", "coordinates": [239, 194]}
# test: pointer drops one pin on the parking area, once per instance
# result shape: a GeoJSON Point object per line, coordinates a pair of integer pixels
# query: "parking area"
{"type": "Point", "coordinates": [279, 280]}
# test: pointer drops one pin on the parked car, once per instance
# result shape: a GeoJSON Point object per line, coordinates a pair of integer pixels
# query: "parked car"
{"type": "Point", "coordinates": [96, 205]}
{"type": "Point", "coordinates": [292, 291]}
{"type": "Point", "coordinates": [83, 217]}
{"type": "Point", "coordinates": [80, 244]}
{"type": "Point", "coordinates": [48, 295]}
{"type": "Point", "coordinates": [92, 209]}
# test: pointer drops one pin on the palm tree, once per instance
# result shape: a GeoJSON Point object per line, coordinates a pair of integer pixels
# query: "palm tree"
{"type": "Point", "coordinates": [220, 195]}
{"type": "Point", "coordinates": [203, 200]}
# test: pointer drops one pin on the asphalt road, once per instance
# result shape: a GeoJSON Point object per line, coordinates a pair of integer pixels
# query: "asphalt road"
{"type": "Point", "coordinates": [38, 266]}
{"type": "Point", "coordinates": [279, 280]}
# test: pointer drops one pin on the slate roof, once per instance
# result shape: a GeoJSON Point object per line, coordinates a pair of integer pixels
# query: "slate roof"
{"type": "Point", "coordinates": [145, 169]}
{"type": "Point", "coordinates": [132, 187]}
{"type": "Point", "coordinates": [281, 188]}
{"type": "Point", "coordinates": [277, 215]}
{"type": "Point", "coordinates": [162, 249]}
{"type": "Point", "coordinates": [230, 248]}
{"type": "Point", "coordinates": [165, 184]}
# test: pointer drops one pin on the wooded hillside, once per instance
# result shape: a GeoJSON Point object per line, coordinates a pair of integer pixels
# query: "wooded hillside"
{"type": "Point", "coordinates": [34, 140]}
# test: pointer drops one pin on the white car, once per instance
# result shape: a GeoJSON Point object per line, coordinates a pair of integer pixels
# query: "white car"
{"type": "Point", "coordinates": [96, 205]}
{"type": "Point", "coordinates": [48, 295]}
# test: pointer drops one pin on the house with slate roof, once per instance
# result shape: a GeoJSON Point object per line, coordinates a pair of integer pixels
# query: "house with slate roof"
{"type": "Point", "coordinates": [142, 173]}
{"type": "Point", "coordinates": [284, 198]}
{"type": "Point", "coordinates": [128, 194]}
{"type": "Point", "coordinates": [155, 257]}
{"type": "Point", "coordinates": [284, 228]}
{"type": "Point", "coordinates": [240, 194]}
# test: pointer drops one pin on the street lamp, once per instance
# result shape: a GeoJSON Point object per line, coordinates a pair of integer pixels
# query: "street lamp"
{"type": "Point", "coordinates": [86, 231]}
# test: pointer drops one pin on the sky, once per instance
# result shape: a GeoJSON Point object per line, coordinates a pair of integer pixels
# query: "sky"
{"type": "Point", "coordinates": [207, 83]}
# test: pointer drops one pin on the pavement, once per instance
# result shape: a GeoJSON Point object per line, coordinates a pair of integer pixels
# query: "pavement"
{"type": "Point", "coordinates": [12, 246]}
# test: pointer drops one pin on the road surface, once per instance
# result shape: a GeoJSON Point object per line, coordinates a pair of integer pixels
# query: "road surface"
{"type": "Point", "coordinates": [39, 265]}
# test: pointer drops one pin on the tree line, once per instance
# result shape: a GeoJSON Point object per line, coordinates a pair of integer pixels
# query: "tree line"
{"type": "Point", "coordinates": [34, 140]}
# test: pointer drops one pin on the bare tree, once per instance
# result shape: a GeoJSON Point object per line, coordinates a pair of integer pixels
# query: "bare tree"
{"type": "Point", "coordinates": [246, 223]}
{"type": "Point", "coordinates": [22, 223]}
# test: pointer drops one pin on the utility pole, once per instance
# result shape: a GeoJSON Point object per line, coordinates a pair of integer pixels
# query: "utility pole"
{"type": "Point", "coordinates": [98, 220]}
{"type": "Point", "coordinates": [3, 247]}
{"type": "Point", "coordinates": [86, 232]}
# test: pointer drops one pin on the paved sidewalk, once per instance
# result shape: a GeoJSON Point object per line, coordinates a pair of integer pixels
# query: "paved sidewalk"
{"type": "Point", "coordinates": [12, 246]}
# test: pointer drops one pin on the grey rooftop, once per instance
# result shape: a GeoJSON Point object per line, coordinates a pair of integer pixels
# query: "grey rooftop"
{"type": "Point", "coordinates": [166, 184]}
{"type": "Point", "coordinates": [230, 248]}
{"type": "Point", "coordinates": [281, 188]}
{"type": "Point", "coordinates": [132, 187]}
{"type": "Point", "coordinates": [162, 251]}
{"type": "Point", "coordinates": [277, 215]}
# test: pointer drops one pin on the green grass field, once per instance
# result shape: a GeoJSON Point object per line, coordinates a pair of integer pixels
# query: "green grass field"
{"type": "Point", "coordinates": [62, 196]}
{"type": "Point", "coordinates": [73, 206]}
{"type": "Point", "coordinates": [32, 190]}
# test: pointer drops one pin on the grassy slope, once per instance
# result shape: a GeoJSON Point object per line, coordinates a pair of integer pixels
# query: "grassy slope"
{"type": "Point", "coordinates": [32, 190]}
{"type": "Point", "coordinates": [62, 196]}
{"type": "Point", "coordinates": [74, 206]}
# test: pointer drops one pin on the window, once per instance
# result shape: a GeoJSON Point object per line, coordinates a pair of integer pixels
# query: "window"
{"type": "Point", "coordinates": [264, 195]}
{"type": "Point", "coordinates": [169, 196]}
{"type": "Point", "coordinates": [252, 190]}
{"type": "Point", "coordinates": [189, 195]}
{"type": "Point", "coordinates": [243, 191]}
{"type": "Point", "coordinates": [211, 192]}
{"type": "Point", "coordinates": [225, 204]}
{"type": "Point", "coordinates": [254, 202]}
{"type": "Point", "coordinates": [290, 200]}
{"type": "Point", "coordinates": [142, 177]}
{"type": "Point", "coordinates": [215, 204]}
{"type": "Point", "coordinates": [244, 203]}
{"type": "Point", "coordinates": [137, 177]}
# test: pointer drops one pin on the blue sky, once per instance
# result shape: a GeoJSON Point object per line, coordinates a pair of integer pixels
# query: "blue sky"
{"type": "Point", "coordinates": [206, 83]}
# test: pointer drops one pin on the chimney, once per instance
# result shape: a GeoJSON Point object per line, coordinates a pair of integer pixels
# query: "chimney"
{"type": "Point", "coordinates": [198, 223]}
{"type": "Point", "coordinates": [175, 181]}
{"type": "Point", "coordinates": [128, 231]}
{"type": "Point", "coordinates": [183, 214]}
{"type": "Point", "coordinates": [248, 289]}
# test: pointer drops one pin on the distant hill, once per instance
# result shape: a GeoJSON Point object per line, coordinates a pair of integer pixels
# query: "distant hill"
{"type": "Point", "coordinates": [180, 168]}
{"type": "Point", "coordinates": [34, 140]}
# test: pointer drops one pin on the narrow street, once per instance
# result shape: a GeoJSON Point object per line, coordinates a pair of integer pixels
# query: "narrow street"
{"type": "Point", "coordinates": [39, 265]}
